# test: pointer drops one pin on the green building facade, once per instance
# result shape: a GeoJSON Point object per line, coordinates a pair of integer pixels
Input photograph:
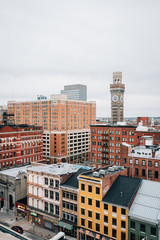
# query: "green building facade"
{"type": "Point", "coordinates": [138, 230]}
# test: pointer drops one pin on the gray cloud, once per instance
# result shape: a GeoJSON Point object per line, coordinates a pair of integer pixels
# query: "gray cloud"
{"type": "Point", "coordinates": [45, 45]}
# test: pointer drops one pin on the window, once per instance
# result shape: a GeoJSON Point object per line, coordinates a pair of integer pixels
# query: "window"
{"type": "Point", "coordinates": [105, 230]}
{"type": "Point", "coordinates": [156, 174]}
{"type": "Point", "coordinates": [105, 218]}
{"type": "Point", "coordinates": [97, 190]}
{"type": "Point", "coordinates": [82, 211]}
{"type": "Point", "coordinates": [132, 236]}
{"type": "Point", "coordinates": [97, 227]}
{"type": "Point", "coordinates": [46, 193]}
{"type": "Point", "coordinates": [114, 221]}
{"type": "Point", "coordinates": [57, 183]}
{"type": "Point", "coordinates": [82, 199]}
{"type": "Point", "coordinates": [57, 210]}
{"type": "Point", "coordinates": [143, 162]}
{"type": "Point", "coordinates": [156, 164]}
{"type": "Point", "coordinates": [149, 173]}
{"type": "Point", "coordinates": [143, 172]}
{"type": "Point", "coordinates": [114, 209]}
{"type": "Point", "coordinates": [89, 188]}
{"type": "Point", "coordinates": [123, 211]}
{"type": "Point", "coordinates": [82, 187]}
{"type": "Point", "coordinates": [51, 208]}
{"type": "Point", "coordinates": [46, 206]}
{"type": "Point", "coordinates": [123, 224]}
{"type": "Point", "coordinates": [114, 233]}
{"type": "Point", "coordinates": [150, 164]}
{"type": "Point", "coordinates": [97, 204]}
{"type": "Point", "coordinates": [142, 228]}
{"type": "Point", "coordinates": [57, 196]}
{"type": "Point", "coordinates": [136, 161]}
{"type": "Point", "coordinates": [132, 225]}
{"type": "Point", "coordinates": [97, 216]}
{"type": "Point", "coordinates": [90, 201]}
{"type": "Point", "coordinates": [89, 224]}
{"type": "Point", "coordinates": [82, 222]}
{"type": "Point", "coordinates": [46, 181]}
{"type": "Point", "coordinates": [51, 182]}
{"type": "Point", "coordinates": [105, 206]}
{"type": "Point", "coordinates": [130, 161]}
{"type": "Point", "coordinates": [124, 160]}
{"type": "Point", "coordinates": [123, 236]}
{"type": "Point", "coordinates": [89, 214]}
{"type": "Point", "coordinates": [136, 171]}
{"type": "Point", "coordinates": [153, 231]}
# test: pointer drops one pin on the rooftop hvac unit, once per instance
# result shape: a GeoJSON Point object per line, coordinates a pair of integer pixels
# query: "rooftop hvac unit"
{"type": "Point", "coordinates": [102, 172]}
{"type": "Point", "coordinates": [111, 169]}
{"type": "Point", "coordinates": [122, 167]}
{"type": "Point", "coordinates": [95, 174]}
{"type": "Point", "coordinates": [115, 168]}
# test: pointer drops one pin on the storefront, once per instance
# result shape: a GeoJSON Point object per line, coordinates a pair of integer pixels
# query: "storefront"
{"type": "Point", "coordinates": [51, 224]}
{"type": "Point", "coordinates": [21, 210]}
{"type": "Point", "coordinates": [43, 221]}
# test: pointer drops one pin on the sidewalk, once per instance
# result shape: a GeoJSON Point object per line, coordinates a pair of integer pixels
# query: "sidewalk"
{"type": "Point", "coordinates": [30, 230]}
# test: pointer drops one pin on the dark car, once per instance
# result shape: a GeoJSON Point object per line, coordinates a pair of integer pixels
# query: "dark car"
{"type": "Point", "coordinates": [17, 229]}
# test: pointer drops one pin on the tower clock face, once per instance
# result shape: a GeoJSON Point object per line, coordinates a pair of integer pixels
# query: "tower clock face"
{"type": "Point", "coordinates": [115, 98]}
{"type": "Point", "coordinates": [121, 98]}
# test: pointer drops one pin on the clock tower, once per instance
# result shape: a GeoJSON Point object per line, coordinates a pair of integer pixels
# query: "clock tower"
{"type": "Point", "coordinates": [117, 98]}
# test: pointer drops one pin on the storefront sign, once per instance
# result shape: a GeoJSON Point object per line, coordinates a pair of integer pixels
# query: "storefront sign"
{"type": "Point", "coordinates": [21, 207]}
{"type": "Point", "coordinates": [50, 220]}
{"type": "Point", "coordinates": [33, 214]}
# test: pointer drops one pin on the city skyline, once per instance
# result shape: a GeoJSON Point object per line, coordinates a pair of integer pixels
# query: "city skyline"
{"type": "Point", "coordinates": [43, 49]}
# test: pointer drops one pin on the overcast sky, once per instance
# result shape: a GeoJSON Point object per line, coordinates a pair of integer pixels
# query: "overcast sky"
{"type": "Point", "coordinates": [46, 44]}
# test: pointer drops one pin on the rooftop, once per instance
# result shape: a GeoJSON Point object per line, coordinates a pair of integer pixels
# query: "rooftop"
{"type": "Point", "coordinates": [56, 169]}
{"type": "Point", "coordinates": [146, 205]}
{"type": "Point", "coordinates": [146, 152]}
{"type": "Point", "coordinates": [14, 172]}
{"type": "Point", "coordinates": [100, 173]}
{"type": "Point", "coordinates": [73, 181]}
{"type": "Point", "coordinates": [122, 191]}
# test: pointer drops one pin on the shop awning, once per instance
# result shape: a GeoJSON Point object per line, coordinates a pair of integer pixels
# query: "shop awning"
{"type": "Point", "coordinates": [65, 225]}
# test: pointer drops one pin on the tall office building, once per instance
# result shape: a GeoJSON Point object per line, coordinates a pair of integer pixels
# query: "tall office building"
{"type": "Point", "coordinates": [117, 98]}
{"type": "Point", "coordinates": [75, 92]}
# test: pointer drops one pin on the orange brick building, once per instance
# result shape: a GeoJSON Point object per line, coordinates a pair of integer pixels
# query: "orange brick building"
{"type": "Point", "coordinates": [19, 145]}
{"type": "Point", "coordinates": [56, 114]}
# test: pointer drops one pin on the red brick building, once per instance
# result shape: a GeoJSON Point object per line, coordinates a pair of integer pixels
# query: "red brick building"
{"type": "Point", "coordinates": [106, 141]}
{"type": "Point", "coordinates": [20, 145]}
{"type": "Point", "coordinates": [143, 160]}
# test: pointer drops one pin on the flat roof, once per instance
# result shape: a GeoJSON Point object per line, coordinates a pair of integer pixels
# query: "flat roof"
{"type": "Point", "coordinates": [108, 170]}
{"type": "Point", "coordinates": [56, 169]}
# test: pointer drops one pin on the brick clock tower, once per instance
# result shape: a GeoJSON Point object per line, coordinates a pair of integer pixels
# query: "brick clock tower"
{"type": "Point", "coordinates": [117, 98]}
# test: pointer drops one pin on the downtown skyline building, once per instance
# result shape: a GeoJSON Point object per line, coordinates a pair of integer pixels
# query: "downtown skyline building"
{"type": "Point", "coordinates": [75, 92]}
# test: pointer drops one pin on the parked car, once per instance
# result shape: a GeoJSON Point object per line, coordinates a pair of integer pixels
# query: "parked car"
{"type": "Point", "coordinates": [17, 229]}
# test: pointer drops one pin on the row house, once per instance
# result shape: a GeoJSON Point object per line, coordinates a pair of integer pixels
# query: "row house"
{"type": "Point", "coordinates": [43, 193]}
{"type": "Point", "coordinates": [143, 161]}
{"type": "Point", "coordinates": [144, 214]}
{"type": "Point", "coordinates": [93, 186]}
{"type": "Point", "coordinates": [116, 204]}
{"type": "Point", "coordinates": [20, 144]}
{"type": "Point", "coordinates": [69, 204]}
